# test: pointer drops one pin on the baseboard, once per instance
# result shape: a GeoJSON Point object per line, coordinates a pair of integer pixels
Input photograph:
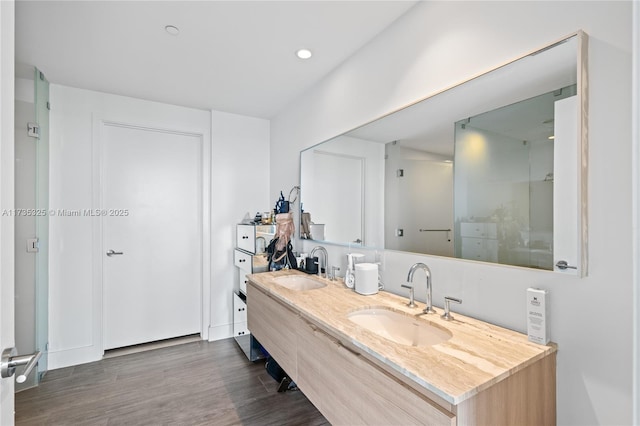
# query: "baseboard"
{"type": "Point", "coordinates": [71, 357]}
{"type": "Point", "coordinates": [220, 332]}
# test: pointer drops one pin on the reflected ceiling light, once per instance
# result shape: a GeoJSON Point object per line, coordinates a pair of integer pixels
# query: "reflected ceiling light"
{"type": "Point", "coordinates": [304, 53]}
{"type": "Point", "coordinates": [552, 137]}
{"type": "Point", "coordinates": [172, 29]}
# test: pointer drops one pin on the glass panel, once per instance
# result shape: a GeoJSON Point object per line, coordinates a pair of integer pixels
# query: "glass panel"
{"type": "Point", "coordinates": [42, 221]}
{"type": "Point", "coordinates": [25, 225]}
{"type": "Point", "coordinates": [503, 179]}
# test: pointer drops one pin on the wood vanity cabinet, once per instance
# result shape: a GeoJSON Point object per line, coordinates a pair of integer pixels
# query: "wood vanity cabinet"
{"type": "Point", "coordinates": [348, 388]}
{"type": "Point", "coordinates": [275, 322]}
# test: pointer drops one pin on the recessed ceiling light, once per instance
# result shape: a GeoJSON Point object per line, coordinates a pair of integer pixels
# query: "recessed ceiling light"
{"type": "Point", "coordinates": [304, 54]}
{"type": "Point", "coordinates": [552, 137]}
{"type": "Point", "coordinates": [173, 30]}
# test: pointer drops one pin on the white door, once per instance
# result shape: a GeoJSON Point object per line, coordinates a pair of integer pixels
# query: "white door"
{"type": "Point", "coordinates": [339, 180]}
{"type": "Point", "coordinates": [152, 238]}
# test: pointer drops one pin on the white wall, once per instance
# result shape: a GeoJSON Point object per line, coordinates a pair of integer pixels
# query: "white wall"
{"type": "Point", "coordinates": [240, 176]}
{"type": "Point", "coordinates": [75, 298]}
{"type": "Point", "coordinates": [635, 164]}
{"type": "Point", "coordinates": [440, 43]}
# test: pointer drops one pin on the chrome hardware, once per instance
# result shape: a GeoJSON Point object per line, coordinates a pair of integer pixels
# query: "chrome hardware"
{"type": "Point", "coordinates": [429, 308]}
{"type": "Point", "coordinates": [333, 273]}
{"type": "Point", "coordinates": [11, 360]}
{"type": "Point", "coordinates": [447, 314]}
{"type": "Point", "coordinates": [448, 231]}
{"type": "Point", "coordinates": [326, 260]}
{"type": "Point", "coordinates": [563, 265]}
{"type": "Point", "coordinates": [411, 303]}
{"type": "Point", "coordinates": [33, 130]}
{"type": "Point", "coordinates": [114, 253]}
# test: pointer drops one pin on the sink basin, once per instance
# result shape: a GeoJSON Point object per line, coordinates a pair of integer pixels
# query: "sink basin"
{"type": "Point", "coordinates": [399, 327]}
{"type": "Point", "coordinates": [299, 282]}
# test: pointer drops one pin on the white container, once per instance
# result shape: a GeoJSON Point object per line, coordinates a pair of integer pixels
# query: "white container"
{"type": "Point", "coordinates": [366, 278]}
{"type": "Point", "coordinates": [537, 316]}
{"type": "Point", "coordinates": [317, 231]}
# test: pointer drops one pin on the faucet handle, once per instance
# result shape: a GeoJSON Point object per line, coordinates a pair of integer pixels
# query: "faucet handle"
{"type": "Point", "coordinates": [411, 303]}
{"type": "Point", "coordinates": [333, 272]}
{"type": "Point", "coordinates": [447, 314]}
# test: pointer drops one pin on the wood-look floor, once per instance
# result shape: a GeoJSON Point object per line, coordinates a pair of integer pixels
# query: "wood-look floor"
{"type": "Point", "coordinates": [201, 383]}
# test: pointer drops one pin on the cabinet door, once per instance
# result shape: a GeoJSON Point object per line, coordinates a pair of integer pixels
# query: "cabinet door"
{"type": "Point", "coordinates": [327, 379]}
{"type": "Point", "coordinates": [273, 325]}
{"type": "Point", "coordinates": [246, 238]}
{"type": "Point", "coordinates": [348, 389]}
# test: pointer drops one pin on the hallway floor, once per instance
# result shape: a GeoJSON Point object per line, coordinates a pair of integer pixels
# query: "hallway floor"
{"type": "Point", "coordinates": [200, 383]}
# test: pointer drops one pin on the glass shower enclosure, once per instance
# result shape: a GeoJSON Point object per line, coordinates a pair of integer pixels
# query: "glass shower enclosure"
{"type": "Point", "coordinates": [504, 183]}
{"type": "Point", "coordinates": [31, 216]}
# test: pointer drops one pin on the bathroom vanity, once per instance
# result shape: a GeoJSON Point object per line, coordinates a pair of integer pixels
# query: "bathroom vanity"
{"type": "Point", "coordinates": [332, 343]}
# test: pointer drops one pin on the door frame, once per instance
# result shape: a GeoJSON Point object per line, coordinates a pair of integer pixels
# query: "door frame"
{"type": "Point", "coordinates": [7, 200]}
{"type": "Point", "coordinates": [98, 250]}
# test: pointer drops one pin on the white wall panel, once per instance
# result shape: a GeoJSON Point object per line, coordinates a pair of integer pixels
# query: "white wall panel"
{"type": "Point", "coordinates": [240, 186]}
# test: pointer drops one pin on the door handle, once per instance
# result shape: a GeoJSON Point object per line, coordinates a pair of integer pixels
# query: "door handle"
{"type": "Point", "coordinates": [11, 360]}
{"type": "Point", "coordinates": [563, 265]}
{"type": "Point", "coordinates": [114, 253]}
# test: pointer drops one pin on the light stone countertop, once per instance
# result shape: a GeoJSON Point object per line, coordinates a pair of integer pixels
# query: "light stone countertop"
{"type": "Point", "coordinates": [477, 356]}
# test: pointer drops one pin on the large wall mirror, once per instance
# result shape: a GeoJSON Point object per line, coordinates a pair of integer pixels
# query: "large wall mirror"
{"type": "Point", "coordinates": [492, 169]}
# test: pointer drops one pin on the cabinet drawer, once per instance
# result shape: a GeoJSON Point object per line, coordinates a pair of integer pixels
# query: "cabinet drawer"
{"type": "Point", "coordinates": [243, 261]}
{"type": "Point", "coordinates": [239, 310]}
{"type": "Point", "coordinates": [246, 238]}
{"type": "Point", "coordinates": [478, 230]}
{"type": "Point", "coordinates": [240, 329]}
{"type": "Point", "coordinates": [250, 263]}
{"type": "Point", "coordinates": [482, 249]}
{"type": "Point", "coordinates": [242, 281]}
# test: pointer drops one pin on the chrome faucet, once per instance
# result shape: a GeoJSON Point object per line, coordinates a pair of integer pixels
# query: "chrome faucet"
{"type": "Point", "coordinates": [326, 260]}
{"type": "Point", "coordinates": [429, 308]}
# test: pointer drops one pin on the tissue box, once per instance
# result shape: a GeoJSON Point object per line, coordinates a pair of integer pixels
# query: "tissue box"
{"type": "Point", "coordinates": [537, 316]}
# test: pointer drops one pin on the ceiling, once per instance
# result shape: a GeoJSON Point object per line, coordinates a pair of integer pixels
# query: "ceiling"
{"type": "Point", "coordinates": [232, 56]}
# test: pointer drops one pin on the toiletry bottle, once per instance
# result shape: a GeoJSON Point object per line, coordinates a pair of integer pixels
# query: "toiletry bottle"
{"type": "Point", "coordinates": [349, 276]}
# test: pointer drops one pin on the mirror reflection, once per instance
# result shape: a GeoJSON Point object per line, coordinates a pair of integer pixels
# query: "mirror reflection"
{"type": "Point", "coordinates": [471, 172]}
